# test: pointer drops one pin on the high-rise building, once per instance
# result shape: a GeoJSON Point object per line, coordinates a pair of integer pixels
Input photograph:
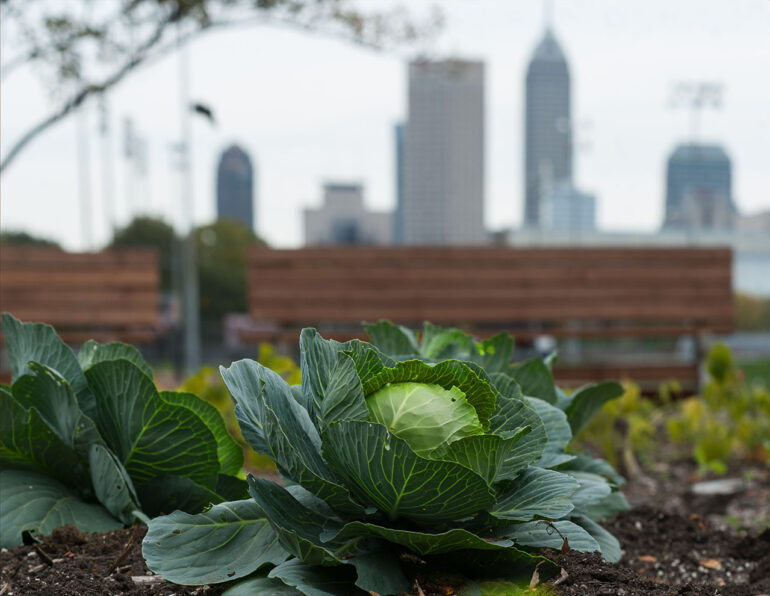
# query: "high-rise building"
{"type": "Point", "coordinates": [547, 124]}
{"type": "Point", "coordinates": [235, 186]}
{"type": "Point", "coordinates": [443, 193]}
{"type": "Point", "coordinates": [699, 188]}
{"type": "Point", "coordinates": [398, 214]}
{"type": "Point", "coordinates": [343, 219]}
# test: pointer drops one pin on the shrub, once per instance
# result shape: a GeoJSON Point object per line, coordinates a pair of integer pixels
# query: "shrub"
{"type": "Point", "coordinates": [408, 448]}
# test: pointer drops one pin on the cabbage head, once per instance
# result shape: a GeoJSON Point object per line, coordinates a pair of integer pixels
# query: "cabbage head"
{"type": "Point", "coordinates": [394, 458]}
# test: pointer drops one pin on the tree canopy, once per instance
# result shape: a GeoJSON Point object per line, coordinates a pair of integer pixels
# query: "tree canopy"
{"type": "Point", "coordinates": [84, 48]}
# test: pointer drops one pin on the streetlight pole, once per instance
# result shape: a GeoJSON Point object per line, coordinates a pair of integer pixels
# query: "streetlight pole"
{"type": "Point", "coordinates": [190, 303]}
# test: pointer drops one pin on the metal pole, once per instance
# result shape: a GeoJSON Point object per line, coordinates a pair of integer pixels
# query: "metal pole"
{"type": "Point", "coordinates": [108, 169]}
{"type": "Point", "coordinates": [191, 308]}
{"type": "Point", "coordinates": [84, 177]}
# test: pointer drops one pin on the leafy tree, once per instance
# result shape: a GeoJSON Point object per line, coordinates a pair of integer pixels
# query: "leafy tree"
{"type": "Point", "coordinates": [85, 48]}
{"type": "Point", "coordinates": [155, 233]}
{"type": "Point", "coordinates": [22, 238]}
{"type": "Point", "coordinates": [222, 251]}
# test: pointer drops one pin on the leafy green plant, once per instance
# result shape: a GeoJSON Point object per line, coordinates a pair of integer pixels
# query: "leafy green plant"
{"type": "Point", "coordinates": [89, 440]}
{"type": "Point", "coordinates": [207, 384]}
{"type": "Point", "coordinates": [731, 418]}
{"type": "Point", "coordinates": [399, 452]}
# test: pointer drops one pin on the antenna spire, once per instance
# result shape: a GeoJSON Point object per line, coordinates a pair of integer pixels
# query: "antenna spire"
{"type": "Point", "coordinates": [548, 13]}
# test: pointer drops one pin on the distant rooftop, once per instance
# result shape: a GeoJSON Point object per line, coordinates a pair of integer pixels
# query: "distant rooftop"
{"type": "Point", "coordinates": [691, 151]}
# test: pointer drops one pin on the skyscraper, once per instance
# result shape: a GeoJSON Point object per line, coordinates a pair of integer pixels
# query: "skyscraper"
{"type": "Point", "coordinates": [443, 193]}
{"type": "Point", "coordinates": [547, 124]}
{"type": "Point", "coordinates": [698, 187]}
{"type": "Point", "coordinates": [398, 214]}
{"type": "Point", "coordinates": [235, 186]}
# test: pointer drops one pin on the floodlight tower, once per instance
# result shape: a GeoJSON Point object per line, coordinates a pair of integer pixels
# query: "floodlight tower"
{"type": "Point", "coordinates": [696, 96]}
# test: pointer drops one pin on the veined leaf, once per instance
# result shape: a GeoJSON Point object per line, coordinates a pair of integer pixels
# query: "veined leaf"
{"type": "Point", "coordinates": [165, 494]}
{"type": "Point", "coordinates": [112, 484]}
{"type": "Point", "coordinates": [26, 441]}
{"type": "Point", "coordinates": [298, 528]}
{"type": "Point", "coordinates": [536, 493]}
{"type": "Point", "coordinates": [511, 413]}
{"type": "Point", "coordinates": [608, 507]}
{"type": "Point", "coordinates": [37, 342]}
{"type": "Point", "coordinates": [558, 431]}
{"type": "Point", "coordinates": [245, 387]}
{"type": "Point", "coordinates": [491, 456]}
{"type": "Point", "coordinates": [447, 374]}
{"type": "Point", "coordinates": [54, 400]}
{"type": "Point", "coordinates": [382, 470]}
{"type": "Point", "coordinates": [229, 453]}
{"type": "Point", "coordinates": [93, 352]}
{"type": "Point", "coordinates": [313, 580]}
{"type": "Point", "coordinates": [537, 534]}
{"type": "Point", "coordinates": [494, 355]}
{"type": "Point", "coordinates": [150, 436]}
{"type": "Point", "coordinates": [509, 562]}
{"type": "Point", "coordinates": [344, 396]}
{"type": "Point", "coordinates": [254, 586]}
{"type": "Point", "coordinates": [535, 380]}
{"type": "Point", "coordinates": [439, 343]}
{"type": "Point", "coordinates": [235, 537]}
{"type": "Point", "coordinates": [38, 503]}
{"type": "Point", "coordinates": [610, 547]}
{"type": "Point", "coordinates": [593, 489]}
{"type": "Point", "coordinates": [395, 340]}
{"type": "Point", "coordinates": [583, 462]}
{"type": "Point", "coordinates": [586, 401]}
{"type": "Point", "coordinates": [421, 543]}
{"type": "Point", "coordinates": [379, 572]}
{"type": "Point", "coordinates": [294, 444]}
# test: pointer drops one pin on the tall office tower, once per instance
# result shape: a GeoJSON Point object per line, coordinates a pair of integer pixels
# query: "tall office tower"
{"type": "Point", "coordinates": [547, 124]}
{"type": "Point", "coordinates": [235, 186]}
{"type": "Point", "coordinates": [698, 188]}
{"type": "Point", "coordinates": [398, 214]}
{"type": "Point", "coordinates": [443, 194]}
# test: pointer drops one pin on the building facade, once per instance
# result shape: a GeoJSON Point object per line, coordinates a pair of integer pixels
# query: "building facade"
{"type": "Point", "coordinates": [699, 188]}
{"type": "Point", "coordinates": [235, 187]}
{"type": "Point", "coordinates": [343, 219]}
{"type": "Point", "coordinates": [547, 126]}
{"type": "Point", "coordinates": [443, 154]}
{"type": "Point", "coordinates": [566, 208]}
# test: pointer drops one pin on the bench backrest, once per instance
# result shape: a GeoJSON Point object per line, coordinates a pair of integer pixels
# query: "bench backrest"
{"type": "Point", "coordinates": [111, 295]}
{"type": "Point", "coordinates": [560, 291]}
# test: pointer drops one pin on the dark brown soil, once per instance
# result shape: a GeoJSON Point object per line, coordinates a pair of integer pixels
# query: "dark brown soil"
{"type": "Point", "coordinates": [671, 554]}
{"type": "Point", "coordinates": [69, 563]}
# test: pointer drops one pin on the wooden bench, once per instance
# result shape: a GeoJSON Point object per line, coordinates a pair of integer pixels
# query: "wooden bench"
{"type": "Point", "coordinates": [597, 293]}
{"type": "Point", "coordinates": [107, 296]}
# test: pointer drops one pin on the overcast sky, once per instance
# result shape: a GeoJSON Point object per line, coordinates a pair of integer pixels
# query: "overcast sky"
{"type": "Point", "coordinates": [311, 109]}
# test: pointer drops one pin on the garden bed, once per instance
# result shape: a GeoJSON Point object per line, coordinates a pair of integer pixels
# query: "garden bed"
{"type": "Point", "coordinates": [671, 545]}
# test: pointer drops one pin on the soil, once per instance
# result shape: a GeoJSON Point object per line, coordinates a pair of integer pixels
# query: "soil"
{"type": "Point", "coordinates": [69, 563]}
{"type": "Point", "coordinates": [671, 544]}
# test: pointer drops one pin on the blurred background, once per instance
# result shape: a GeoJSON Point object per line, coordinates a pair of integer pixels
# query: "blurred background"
{"type": "Point", "coordinates": [206, 129]}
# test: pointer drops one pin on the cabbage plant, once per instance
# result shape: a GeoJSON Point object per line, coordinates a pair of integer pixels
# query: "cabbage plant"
{"type": "Point", "coordinates": [393, 456]}
{"type": "Point", "coordinates": [88, 440]}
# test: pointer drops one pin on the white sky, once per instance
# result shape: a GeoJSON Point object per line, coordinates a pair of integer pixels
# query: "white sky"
{"type": "Point", "coordinates": [311, 109]}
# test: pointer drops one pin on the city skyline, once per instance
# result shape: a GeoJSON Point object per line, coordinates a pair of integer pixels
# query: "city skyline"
{"type": "Point", "coordinates": [620, 108]}
{"type": "Point", "coordinates": [235, 186]}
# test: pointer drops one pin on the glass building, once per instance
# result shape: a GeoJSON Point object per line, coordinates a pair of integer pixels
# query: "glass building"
{"type": "Point", "coordinates": [235, 187]}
